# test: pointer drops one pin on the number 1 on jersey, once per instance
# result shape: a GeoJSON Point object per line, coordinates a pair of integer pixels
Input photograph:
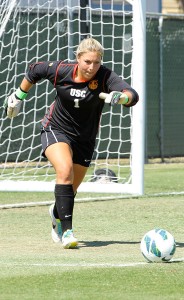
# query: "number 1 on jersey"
{"type": "Point", "coordinates": [76, 103]}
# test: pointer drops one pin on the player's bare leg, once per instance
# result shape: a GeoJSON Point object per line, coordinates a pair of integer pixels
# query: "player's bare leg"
{"type": "Point", "coordinates": [79, 174]}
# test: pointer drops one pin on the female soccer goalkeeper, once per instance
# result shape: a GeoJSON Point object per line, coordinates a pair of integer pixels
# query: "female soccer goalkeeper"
{"type": "Point", "coordinates": [70, 127]}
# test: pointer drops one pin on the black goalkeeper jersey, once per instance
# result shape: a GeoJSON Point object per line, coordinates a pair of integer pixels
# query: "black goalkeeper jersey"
{"type": "Point", "coordinates": [77, 108]}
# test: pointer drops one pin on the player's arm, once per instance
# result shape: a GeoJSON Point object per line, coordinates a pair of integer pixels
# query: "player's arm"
{"type": "Point", "coordinates": [25, 85]}
{"type": "Point", "coordinates": [36, 72]}
{"type": "Point", "coordinates": [119, 91]}
{"type": "Point", "coordinates": [132, 96]}
{"type": "Point", "coordinates": [127, 97]}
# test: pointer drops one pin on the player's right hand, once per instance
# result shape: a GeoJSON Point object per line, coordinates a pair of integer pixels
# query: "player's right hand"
{"type": "Point", "coordinates": [13, 106]}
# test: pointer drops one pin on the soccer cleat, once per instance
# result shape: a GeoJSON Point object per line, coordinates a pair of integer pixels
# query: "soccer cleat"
{"type": "Point", "coordinates": [56, 232]}
{"type": "Point", "coordinates": [68, 240]}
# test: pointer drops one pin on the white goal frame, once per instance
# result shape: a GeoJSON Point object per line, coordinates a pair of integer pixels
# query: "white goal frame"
{"type": "Point", "coordinates": [136, 186]}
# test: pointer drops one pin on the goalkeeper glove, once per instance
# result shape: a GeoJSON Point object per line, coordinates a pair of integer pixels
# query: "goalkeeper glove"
{"type": "Point", "coordinates": [117, 98]}
{"type": "Point", "coordinates": [13, 106]}
{"type": "Point", "coordinates": [14, 102]}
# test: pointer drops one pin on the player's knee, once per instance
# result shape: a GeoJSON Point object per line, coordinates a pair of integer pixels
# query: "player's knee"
{"type": "Point", "coordinates": [64, 174]}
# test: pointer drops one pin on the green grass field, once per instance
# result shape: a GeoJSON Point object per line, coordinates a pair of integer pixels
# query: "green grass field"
{"type": "Point", "coordinates": [108, 263]}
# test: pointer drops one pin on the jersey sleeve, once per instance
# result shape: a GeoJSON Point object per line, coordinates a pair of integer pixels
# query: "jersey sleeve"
{"type": "Point", "coordinates": [115, 83]}
{"type": "Point", "coordinates": [42, 70]}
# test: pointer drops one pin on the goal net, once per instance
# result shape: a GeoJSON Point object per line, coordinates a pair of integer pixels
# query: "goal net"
{"type": "Point", "coordinates": [42, 30]}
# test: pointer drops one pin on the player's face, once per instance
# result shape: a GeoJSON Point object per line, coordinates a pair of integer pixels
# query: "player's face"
{"type": "Point", "coordinates": [88, 65]}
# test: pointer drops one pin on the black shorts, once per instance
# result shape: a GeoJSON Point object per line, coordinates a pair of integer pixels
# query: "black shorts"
{"type": "Point", "coordinates": [82, 150]}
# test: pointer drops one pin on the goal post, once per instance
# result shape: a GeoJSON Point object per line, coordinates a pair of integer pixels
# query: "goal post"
{"type": "Point", "coordinates": [139, 83]}
{"type": "Point", "coordinates": [47, 32]}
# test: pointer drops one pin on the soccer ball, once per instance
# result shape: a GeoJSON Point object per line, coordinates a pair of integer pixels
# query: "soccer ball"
{"type": "Point", "coordinates": [158, 245]}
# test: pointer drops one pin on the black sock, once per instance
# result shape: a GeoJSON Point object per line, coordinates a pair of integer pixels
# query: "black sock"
{"type": "Point", "coordinates": [64, 196]}
{"type": "Point", "coordinates": [55, 212]}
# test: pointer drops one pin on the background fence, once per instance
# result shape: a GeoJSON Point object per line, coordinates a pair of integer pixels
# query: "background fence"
{"type": "Point", "coordinates": [164, 87]}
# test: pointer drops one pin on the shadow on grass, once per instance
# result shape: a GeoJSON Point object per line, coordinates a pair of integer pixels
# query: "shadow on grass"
{"type": "Point", "coordinates": [179, 245]}
{"type": "Point", "coordinates": [104, 243]}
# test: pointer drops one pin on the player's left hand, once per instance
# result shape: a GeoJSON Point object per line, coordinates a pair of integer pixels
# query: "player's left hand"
{"type": "Point", "coordinates": [13, 106]}
{"type": "Point", "coordinates": [114, 98]}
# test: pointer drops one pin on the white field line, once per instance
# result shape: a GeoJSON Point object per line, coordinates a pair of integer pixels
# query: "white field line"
{"type": "Point", "coordinates": [87, 265]}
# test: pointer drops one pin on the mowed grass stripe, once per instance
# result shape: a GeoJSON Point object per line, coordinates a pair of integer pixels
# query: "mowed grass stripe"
{"type": "Point", "coordinates": [89, 265]}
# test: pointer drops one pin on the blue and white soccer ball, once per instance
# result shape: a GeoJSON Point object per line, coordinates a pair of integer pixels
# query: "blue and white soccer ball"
{"type": "Point", "coordinates": [158, 245]}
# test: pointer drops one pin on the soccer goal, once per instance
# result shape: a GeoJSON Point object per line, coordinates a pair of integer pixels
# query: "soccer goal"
{"type": "Point", "coordinates": [51, 30]}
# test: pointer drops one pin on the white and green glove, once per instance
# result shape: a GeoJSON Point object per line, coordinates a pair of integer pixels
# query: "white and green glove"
{"type": "Point", "coordinates": [14, 102]}
{"type": "Point", "coordinates": [114, 98]}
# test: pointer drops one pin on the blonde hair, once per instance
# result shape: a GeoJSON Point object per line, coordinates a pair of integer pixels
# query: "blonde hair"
{"type": "Point", "coordinates": [89, 45]}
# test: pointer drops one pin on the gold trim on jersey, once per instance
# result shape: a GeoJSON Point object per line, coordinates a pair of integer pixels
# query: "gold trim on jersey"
{"type": "Point", "coordinates": [93, 84]}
